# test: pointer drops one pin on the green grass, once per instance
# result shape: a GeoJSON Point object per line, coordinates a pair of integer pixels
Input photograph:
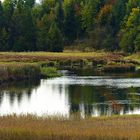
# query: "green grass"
{"type": "Point", "coordinates": [100, 128]}
{"type": "Point", "coordinates": [134, 57]}
{"type": "Point", "coordinates": [138, 67]}
{"type": "Point", "coordinates": [49, 72]}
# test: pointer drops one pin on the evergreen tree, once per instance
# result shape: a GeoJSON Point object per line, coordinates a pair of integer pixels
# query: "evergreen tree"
{"type": "Point", "coordinates": [59, 15]}
{"type": "Point", "coordinates": [106, 24]}
{"type": "Point", "coordinates": [130, 33]}
{"type": "Point", "coordinates": [3, 33]}
{"type": "Point", "coordinates": [89, 13]}
{"type": "Point", "coordinates": [1, 16]}
{"type": "Point", "coordinates": [119, 11]}
{"type": "Point", "coordinates": [43, 26]}
{"type": "Point", "coordinates": [55, 39]}
{"type": "Point", "coordinates": [70, 22]}
{"type": "Point", "coordinates": [24, 30]}
{"type": "Point", "coordinates": [4, 36]}
{"type": "Point", "coordinates": [9, 7]}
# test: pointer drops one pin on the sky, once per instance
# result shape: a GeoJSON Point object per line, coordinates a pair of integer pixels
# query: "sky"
{"type": "Point", "coordinates": [36, 1]}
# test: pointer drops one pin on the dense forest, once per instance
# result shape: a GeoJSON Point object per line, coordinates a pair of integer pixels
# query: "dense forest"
{"type": "Point", "coordinates": [49, 25]}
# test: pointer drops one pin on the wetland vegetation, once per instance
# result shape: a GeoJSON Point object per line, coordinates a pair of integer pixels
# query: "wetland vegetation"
{"type": "Point", "coordinates": [104, 128]}
{"type": "Point", "coordinates": [27, 65]}
{"type": "Point", "coordinates": [90, 90]}
{"type": "Point", "coordinates": [83, 104]}
{"type": "Point", "coordinates": [56, 96]}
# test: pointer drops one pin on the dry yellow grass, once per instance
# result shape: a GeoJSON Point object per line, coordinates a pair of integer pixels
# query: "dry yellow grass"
{"type": "Point", "coordinates": [104, 128]}
{"type": "Point", "coordinates": [44, 56]}
{"type": "Point", "coordinates": [135, 57]}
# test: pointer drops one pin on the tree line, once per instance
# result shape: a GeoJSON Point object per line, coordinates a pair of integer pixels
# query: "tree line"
{"type": "Point", "coordinates": [49, 25]}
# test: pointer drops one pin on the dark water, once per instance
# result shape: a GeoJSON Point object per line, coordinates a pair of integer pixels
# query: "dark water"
{"type": "Point", "coordinates": [84, 92]}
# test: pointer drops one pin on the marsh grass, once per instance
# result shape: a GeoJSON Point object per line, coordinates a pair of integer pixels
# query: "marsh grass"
{"type": "Point", "coordinates": [18, 71]}
{"type": "Point", "coordinates": [30, 65]}
{"type": "Point", "coordinates": [48, 56]}
{"type": "Point", "coordinates": [135, 57]}
{"type": "Point", "coordinates": [47, 72]}
{"type": "Point", "coordinates": [55, 59]}
{"type": "Point", "coordinates": [101, 128]}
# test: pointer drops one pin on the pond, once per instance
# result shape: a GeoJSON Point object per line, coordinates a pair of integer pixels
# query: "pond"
{"type": "Point", "coordinates": [83, 92]}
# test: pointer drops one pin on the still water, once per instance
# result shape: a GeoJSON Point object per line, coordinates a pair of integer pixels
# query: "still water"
{"type": "Point", "coordinates": [79, 91]}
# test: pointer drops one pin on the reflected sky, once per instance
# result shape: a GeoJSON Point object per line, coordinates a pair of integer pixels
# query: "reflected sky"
{"type": "Point", "coordinates": [96, 81]}
{"type": "Point", "coordinates": [84, 95]}
{"type": "Point", "coordinates": [45, 100]}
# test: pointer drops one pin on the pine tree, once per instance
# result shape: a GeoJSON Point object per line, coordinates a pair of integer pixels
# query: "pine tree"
{"type": "Point", "coordinates": [55, 39]}
{"type": "Point", "coordinates": [24, 30]}
{"type": "Point", "coordinates": [70, 22]}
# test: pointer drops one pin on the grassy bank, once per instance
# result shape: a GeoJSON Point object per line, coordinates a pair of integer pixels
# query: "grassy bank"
{"type": "Point", "coordinates": [30, 65]}
{"type": "Point", "coordinates": [15, 71]}
{"type": "Point", "coordinates": [134, 57]}
{"type": "Point", "coordinates": [48, 56]}
{"type": "Point", "coordinates": [104, 128]}
{"type": "Point", "coordinates": [70, 58]}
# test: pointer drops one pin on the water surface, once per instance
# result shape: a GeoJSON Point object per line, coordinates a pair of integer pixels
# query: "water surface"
{"type": "Point", "coordinates": [84, 92]}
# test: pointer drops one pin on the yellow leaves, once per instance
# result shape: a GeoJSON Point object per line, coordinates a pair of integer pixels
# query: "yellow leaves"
{"type": "Point", "coordinates": [105, 10]}
{"type": "Point", "coordinates": [134, 18]}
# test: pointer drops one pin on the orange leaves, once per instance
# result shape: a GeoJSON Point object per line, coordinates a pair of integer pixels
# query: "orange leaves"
{"type": "Point", "coordinates": [112, 2]}
{"type": "Point", "coordinates": [104, 14]}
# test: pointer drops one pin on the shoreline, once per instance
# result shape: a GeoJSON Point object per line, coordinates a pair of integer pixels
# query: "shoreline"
{"type": "Point", "coordinates": [31, 65]}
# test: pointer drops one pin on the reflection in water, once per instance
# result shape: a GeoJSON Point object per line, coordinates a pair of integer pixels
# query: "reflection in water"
{"type": "Point", "coordinates": [46, 99]}
{"type": "Point", "coordinates": [86, 95]}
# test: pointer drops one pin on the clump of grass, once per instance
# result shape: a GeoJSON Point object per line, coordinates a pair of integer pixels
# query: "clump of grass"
{"type": "Point", "coordinates": [18, 71]}
{"type": "Point", "coordinates": [138, 68]}
{"type": "Point", "coordinates": [48, 72]}
{"type": "Point", "coordinates": [134, 57]}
